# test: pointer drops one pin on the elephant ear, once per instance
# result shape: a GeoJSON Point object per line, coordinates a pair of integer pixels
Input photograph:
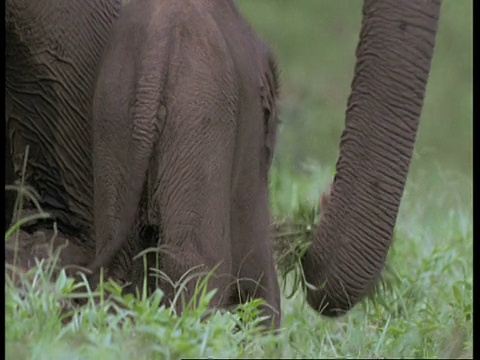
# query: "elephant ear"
{"type": "Point", "coordinates": [269, 90]}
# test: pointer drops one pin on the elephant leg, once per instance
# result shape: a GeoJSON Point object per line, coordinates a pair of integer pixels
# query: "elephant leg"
{"type": "Point", "coordinates": [192, 196]}
{"type": "Point", "coordinates": [22, 249]}
{"type": "Point", "coordinates": [121, 162]}
{"type": "Point", "coordinates": [253, 253]}
{"type": "Point", "coordinates": [128, 115]}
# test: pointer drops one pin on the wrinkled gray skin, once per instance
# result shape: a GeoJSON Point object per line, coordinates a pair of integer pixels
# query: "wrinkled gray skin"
{"type": "Point", "coordinates": [394, 54]}
{"type": "Point", "coordinates": [181, 144]}
{"type": "Point", "coordinates": [179, 106]}
{"type": "Point", "coordinates": [52, 55]}
{"type": "Point", "coordinates": [184, 112]}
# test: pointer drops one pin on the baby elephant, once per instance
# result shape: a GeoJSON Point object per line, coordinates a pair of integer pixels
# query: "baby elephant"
{"type": "Point", "coordinates": [183, 133]}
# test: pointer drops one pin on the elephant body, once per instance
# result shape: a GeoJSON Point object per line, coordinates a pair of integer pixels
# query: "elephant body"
{"type": "Point", "coordinates": [169, 143]}
{"type": "Point", "coordinates": [53, 50]}
{"type": "Point", "coordinates": [184, 122]}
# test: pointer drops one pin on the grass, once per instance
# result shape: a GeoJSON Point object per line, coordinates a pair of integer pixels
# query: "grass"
{"type": "Point", "coordinates": [424, 310]}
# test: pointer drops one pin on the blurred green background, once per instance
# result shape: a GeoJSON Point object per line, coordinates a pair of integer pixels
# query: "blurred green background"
{"type": "Point", "coordinates": [314, 42]}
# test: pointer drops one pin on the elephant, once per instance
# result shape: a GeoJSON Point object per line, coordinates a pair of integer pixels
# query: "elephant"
{"type": "Point", "coordinates": [184, 122]}
{"type": "Point", "coordinates": [184, 110]}
{"type": "Point", "coordinates": [52, 54]}
{"type": "Point", "coordinates": [354, 234]}
{"type": "Point", "coordinates": [184, 126]}
{"type": "Point", "coordinates": [24, 248]}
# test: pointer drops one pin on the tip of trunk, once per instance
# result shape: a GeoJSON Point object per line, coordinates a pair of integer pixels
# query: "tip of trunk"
{"type": "Point", "coordinates": [327, 305]}
{"type": "Point", "coordinates": [328, 292]}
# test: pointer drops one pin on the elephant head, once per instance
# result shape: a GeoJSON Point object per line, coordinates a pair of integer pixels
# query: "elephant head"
{"type": "Point", "coordinates": [355, 231]}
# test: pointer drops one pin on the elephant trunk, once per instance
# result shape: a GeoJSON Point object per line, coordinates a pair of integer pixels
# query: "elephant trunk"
{"type": "Point", "coordinates": [355, 231]}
